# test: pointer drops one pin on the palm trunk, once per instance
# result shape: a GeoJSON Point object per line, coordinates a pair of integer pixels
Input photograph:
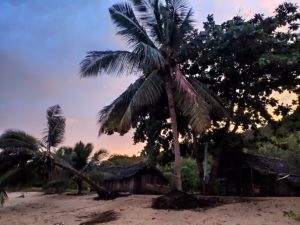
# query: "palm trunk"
{"type": "Point", "coordinates": [100, 190]}
{"type": "Point", "coordinates": [199, 160]}
{"type": "Point", "coordinates": [176, 181]}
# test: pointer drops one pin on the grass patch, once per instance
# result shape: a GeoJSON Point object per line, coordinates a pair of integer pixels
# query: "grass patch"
{"type": "Point", "coordinates": [291, 214]}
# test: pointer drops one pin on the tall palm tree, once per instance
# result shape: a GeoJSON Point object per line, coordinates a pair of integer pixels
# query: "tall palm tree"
{"type": "Point", "coordinates": [80, 158]}
{"type": "Point", "coordinates": [158, 34]}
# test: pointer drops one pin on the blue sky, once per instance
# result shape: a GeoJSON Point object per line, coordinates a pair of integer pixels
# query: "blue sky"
{"type": "Point", "coordinates": [41, 46]}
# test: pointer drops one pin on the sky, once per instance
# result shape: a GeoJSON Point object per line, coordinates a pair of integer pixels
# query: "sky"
{"type": "Point", "coordinates": [42, 43]}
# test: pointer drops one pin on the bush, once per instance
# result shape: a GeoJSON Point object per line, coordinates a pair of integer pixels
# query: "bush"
{"type": "Point", "coordinates": [189, 172]}
{"type": "Point", "coordinates": [57, 186]}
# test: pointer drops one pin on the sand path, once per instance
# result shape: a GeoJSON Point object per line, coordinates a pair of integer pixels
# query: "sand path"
{"type": "Point", "coordinates": [38, 209]}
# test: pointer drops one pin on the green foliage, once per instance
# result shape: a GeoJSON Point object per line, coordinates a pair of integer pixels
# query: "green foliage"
{"type": "Point", "coordinates": [19, 160]}
{"type": "Point", "coordinates": [57, 186]}
{"type": "Point", "coordinates": [121, 160]}
{"type": "Point", "coordinates": [291, 214]}
{"type": "Point", "coordinates": [281, 140]}
{"type": "Point", "coordinates": [244, 61]}
{"type": "Point", "coordinates": [190, 175]}
{"type": "Point", "coordinates": [286, 148]}
{"type": "Point", "coordinates": [80, 158]}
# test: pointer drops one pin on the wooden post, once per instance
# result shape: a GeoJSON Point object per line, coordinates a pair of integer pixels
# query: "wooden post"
{"type": "Point", "coordinates": [205, 172]}
{"type": "Point", "coordinates": [252, 182]}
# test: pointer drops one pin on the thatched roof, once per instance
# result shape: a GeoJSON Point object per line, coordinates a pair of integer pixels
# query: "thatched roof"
{"type": "Point", "coordinates": [263, 165]}
{"type": "Point", "coordinates": [268, 165]}
{"type": "Point", "coordinates": [123, 172]}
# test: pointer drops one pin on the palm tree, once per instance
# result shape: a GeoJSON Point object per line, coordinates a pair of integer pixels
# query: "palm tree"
{"type": "Point", "coordinates": [56, 124]}
{"type": "Point", "coordinates": [54, 135]}
{"type": "Point", "coordinates": [22, 156]}
{"type": "Point", "coordinates": [158, 34]}
{"type": "Point", "coordinates": [22, 159]}
{"type": "Point", "coordinates": [80, 158]}
{"type": "Point", "coordinates": [18, 159]}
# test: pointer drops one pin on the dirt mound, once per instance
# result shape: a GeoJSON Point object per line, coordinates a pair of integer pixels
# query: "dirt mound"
{"type": "Point", "coordinates": [103, 217]}
{"type": "Point", "coordinates": [178, 200]}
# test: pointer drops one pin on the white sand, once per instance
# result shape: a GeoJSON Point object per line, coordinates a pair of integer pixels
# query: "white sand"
{"type": "Point", "coordinates": [39, 209]}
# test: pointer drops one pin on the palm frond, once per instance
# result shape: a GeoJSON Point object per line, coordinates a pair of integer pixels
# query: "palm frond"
{"type": "Point", "coordinates": [147, 94]}
{"type": "Point", "coordinates": [82, 152]}
{"type": "Point", "coordinates": [20, 176]}
{"type": "Point", "coordinates": [18, 160]}
{"type": "Point", "coordinates": [123, 16]}
{"type": "Point", "coordinates": [209, 97]}
{"type": "Point", "coordinates": [186, 25]}
{"type": "Point", "coordinates": [99, 155]}
{"type": "Point", "coordinates": [65, 153]}
{"type": "Point", "coordinates": [197, 112]}
{"type": "Point", "coordinates": [18, 148]}
{"type": "Point", "coordinates": [110, 62]}
{"type": "Point", "coordinates": [176, 12]}
{"type": "Point", "coordinates": [149, 13]}
{"type": "Point", "coordinates": [183, 85]}
{"type": "Point", "coordinates": [190, 103]}
{"type": "Point", "coordinates": [111, 115]}
{"type": "Point", "coordinates": [56, 123]}
{"type": "Point", "coordinates": [148, 57]}
{"type": "Point", "coordinates": [178, 9]}
{"type": "Point", "coordinates": [16, 139]}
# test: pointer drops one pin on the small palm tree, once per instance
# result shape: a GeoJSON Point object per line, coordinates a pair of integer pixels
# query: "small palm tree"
{"type": "Point", "coordinates": [22, 156]}
{"type": "Point", "coordinates": [80, 158]}
{"type": "Point", "coordinates": [158, 34]}
{"type": "Point", "coordinates": [19, 158]}
{"type": "Point", "coordinates": [56, 124]}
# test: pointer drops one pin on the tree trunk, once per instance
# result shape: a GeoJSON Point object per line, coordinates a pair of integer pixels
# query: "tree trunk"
{"type": "Point", "coordinates": [205, 169]}
{"type": "Point", "coordinates": [214, 171]}
{"type": "Point", "coordinates": [99, 190]}
{"type": "Point", "coordinates": [199, 160]}
{"type": "Point", "coordinates": [176, 181]}
{"type": "Point", "coordinates": [79, 185]}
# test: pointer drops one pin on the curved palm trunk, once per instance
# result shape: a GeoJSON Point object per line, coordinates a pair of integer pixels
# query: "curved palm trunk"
{"type": "Point", "coordinates": [176, 181]}
{"type": "Point", "coordinates": [100, 190]}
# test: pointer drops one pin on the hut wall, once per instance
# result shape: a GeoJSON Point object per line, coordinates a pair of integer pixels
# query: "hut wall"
{"type": "Point", "coordinates": [135, 184]}
{"type": "Point", "coordinates": [124, 185]}
{"type": "Point", "coordinates": [283, 188]}
{"type": "Point", "coordinates": [149, 178]}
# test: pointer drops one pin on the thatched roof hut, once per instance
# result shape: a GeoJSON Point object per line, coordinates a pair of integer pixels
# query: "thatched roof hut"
{"type": "Point", "coordinates": [248, 174]}
{"type": "Point", "coordinates": [132, 179]}
{"type": "Point", "coordinates": [272, 166]}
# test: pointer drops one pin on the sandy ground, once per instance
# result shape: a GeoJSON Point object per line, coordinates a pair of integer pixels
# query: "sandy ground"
{"type": "Point", "coordinates": [39, 209]}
